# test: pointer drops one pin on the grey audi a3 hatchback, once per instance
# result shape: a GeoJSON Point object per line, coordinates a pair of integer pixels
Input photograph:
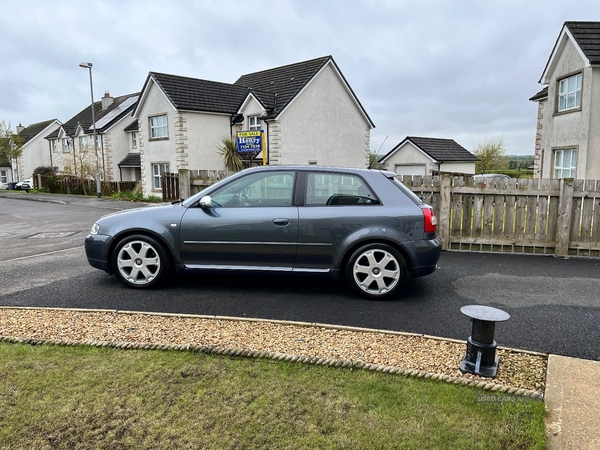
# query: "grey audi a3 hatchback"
{"type": "Point", "coordinates": [360, 224]}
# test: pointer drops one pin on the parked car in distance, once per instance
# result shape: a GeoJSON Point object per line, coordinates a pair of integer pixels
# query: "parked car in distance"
{"type": "Point", "coordinates": [359, 224]}
{"type": "Point", "coordinates": [491, 179]}
{"type": "Point", "coordinates": [25, 185]}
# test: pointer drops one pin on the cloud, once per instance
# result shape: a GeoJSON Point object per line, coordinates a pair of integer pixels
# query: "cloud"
{"type": "Point", "coordinates": [461, 70]}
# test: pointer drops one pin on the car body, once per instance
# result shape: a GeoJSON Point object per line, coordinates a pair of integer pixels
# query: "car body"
{"type": "Point", "coordinates": [360, 224]}
{"type": "Point", "coordinates": [491, 179]}
{"type": "Point", "coordinates": [25, 185]}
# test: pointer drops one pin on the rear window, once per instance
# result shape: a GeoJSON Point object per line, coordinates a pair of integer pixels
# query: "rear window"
{"type": "Point", "coordinates": [410, 194]}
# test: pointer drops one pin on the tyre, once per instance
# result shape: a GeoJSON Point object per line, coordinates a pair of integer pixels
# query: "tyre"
{"type": "Point", "coordinates": [140, 261]}
{"type": "Point", "coordinates": [376, 270]}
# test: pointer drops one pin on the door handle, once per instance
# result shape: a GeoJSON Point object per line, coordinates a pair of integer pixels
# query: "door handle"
{"type": "Point", "coordinates": [281, 222]}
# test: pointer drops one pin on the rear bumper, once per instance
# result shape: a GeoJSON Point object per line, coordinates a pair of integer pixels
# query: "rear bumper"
{"type": "Point", "coordinates": [426, 254]}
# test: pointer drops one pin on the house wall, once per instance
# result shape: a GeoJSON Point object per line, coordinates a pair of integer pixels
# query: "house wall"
{"type": "Point", "coordinates": [322, 125]}
{"type": "Point", "coordinates": [593, 156]}
{"type": "Point", "coordinates": [458, 167]}
{"type": "Point", "coordinates": [204, 133]}
{"type": "Point", "coordinates": [192, 143]}
{"type": "Point", "coordinates": [572, 129]}
{"type": "Point", "coordinates": [36, 152]}
{"type": "Point", "coordinates": [117, 144]}
{"type": "Point", "coordinates": [158, 150]}
{"type": "Point", "coordinates": [409, 155]}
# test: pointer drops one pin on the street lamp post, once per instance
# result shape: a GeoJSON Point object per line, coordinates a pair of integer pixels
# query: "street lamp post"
{"type": "Point", "coordinates": [98, 189]}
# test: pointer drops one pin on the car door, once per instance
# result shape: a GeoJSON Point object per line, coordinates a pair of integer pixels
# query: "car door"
{"type": "Point", "coordinates": [251, 225]}
{"type": "Point", "coordinates": [337, 207]}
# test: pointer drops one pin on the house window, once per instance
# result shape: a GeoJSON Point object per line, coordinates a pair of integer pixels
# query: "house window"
{"type": "Point", "coordinates": [564, 163]}
{"type": "Point", "coordinates": [3, 176]}
{"type": "Point", "coordinates": [157, 171]}
{"type": "Point", "coordinates": [66, 145]}
{"type": "Point", "coordinates": [133, 140]}
{"type": "Point", "coordinates": [569, 93]}
{"type": "Point", "coordinates": [83, 142]}
{"type": "Point", "coordinates": [254, 123]}
{"type": "Point", "coordinates": [53, 145]}
{"type": "Point", "coordinates": [158, 127]}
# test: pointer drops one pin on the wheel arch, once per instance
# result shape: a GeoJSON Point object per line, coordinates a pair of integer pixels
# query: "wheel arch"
{"type": "Point", "coordinates": [143, 232]}
{"type": "Point", "coordinates": [375, 240]}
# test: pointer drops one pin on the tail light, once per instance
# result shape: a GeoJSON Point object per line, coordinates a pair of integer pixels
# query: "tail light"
{"type": "Point", "coordinates": [430, 219]}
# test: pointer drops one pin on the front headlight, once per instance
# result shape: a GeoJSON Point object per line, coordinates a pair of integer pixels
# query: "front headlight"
{"type": "Point", "coordinates": [95, 229]}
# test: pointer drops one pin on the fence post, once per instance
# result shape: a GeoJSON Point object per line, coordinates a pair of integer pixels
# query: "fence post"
{"type": "Point", "coordinates": [444, 216]}
{"type": "Point", "coordinates": [184, 183]}
{"type": "Point", "coordinates": [563, 226]}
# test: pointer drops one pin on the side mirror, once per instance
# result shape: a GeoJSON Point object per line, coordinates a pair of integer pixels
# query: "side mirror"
{"type": "Point", "coordinates": [205, 202]}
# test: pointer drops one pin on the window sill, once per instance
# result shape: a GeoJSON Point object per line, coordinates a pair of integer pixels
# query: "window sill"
{"type": "Point", "coordinates": [566, 111]}
{"type": "Point", "coordinates": [158, 139]}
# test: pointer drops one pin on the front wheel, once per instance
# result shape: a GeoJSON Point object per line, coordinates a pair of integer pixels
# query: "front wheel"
{"type": "Point", "coordinates": [376, 270]}
{"type": "Point", "coordinates": [141, 262]}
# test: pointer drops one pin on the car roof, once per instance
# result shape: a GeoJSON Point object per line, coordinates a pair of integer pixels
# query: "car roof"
{"type": "Point", "coordinates": [316, 168]}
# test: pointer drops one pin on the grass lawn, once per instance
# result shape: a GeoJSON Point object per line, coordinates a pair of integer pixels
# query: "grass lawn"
{"type": "Point", "coordinates": [88, 397]}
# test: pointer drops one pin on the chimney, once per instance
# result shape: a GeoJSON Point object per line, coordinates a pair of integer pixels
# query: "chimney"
{"type": "Point", "coordinates": [20, 128]}
{"type": "Point", "coordinates": [107, 100]}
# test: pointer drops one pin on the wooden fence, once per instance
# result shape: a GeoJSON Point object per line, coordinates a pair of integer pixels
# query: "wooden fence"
{"type": "Point", "coordinates": [189, 182]}
{"type": "Point", "coordinates": [545, 216]}
{"type": "Point", "coordinates": [541, 216]}
{"type": "Point", "coordinates": [73, 185]}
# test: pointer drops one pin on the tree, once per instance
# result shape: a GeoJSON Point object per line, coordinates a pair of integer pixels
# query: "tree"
{"type": "Point", "coordinates": [231, 157]}
{"type": "Point", "coordinates": [11, 146]}
{"type": "Point", "coordinates": [374, 161]}
{"type": "Point", "coordinates": [491, 155]}
{"type": "Point", "coordinates": [81, 163]}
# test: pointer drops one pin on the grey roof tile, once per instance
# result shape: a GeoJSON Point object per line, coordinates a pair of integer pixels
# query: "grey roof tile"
{"type": "Point", "coordinates": [84, 117]}
{"type": "Point", "coordinates": [131, 160]}
{"type": "Point", "coordinates": [587, 36]}
{"type": "Point", "coordinates": [33, 130]}
{"type": "Point", "coordinates": [438, 149]}
{"type": "Point", "coordinates": [200, 95]}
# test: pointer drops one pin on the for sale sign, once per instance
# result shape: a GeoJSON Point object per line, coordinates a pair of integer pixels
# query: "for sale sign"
{"type": "Point", "coordinates": [249, 141]}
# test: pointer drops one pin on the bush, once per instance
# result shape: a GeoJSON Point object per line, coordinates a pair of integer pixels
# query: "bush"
{"type": "Point", "coordinates": [135, 196]}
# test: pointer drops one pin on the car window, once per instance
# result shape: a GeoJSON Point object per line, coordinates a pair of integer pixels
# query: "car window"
{"type": "Point", "coordinates": [336, 189]}
{"type": "Point", "coordinates": [256, 190]}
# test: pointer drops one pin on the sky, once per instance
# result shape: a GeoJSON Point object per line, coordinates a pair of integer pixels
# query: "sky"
{"type": "Point", "coordinates": [459, 69]}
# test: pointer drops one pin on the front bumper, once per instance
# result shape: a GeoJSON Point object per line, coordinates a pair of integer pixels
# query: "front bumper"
{"type": "Point", "coordinates": [96, 250]}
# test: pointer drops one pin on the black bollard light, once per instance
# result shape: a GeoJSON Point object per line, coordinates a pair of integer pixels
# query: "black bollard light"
{"type": "Point", "coordinates": [481, 358]}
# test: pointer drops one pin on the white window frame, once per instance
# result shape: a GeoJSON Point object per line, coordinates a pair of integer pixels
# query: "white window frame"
{"type": "Point", "coordinates": [66, 145]}
{"type": "Point", "coordinates": [133, 140]}
{"type": "Point", "coordinates": [83, 143]}
{"type": "Point", "coordinates": [159, 127]}
{"type": "Point", "coordinates": [564, 163]}
{"type": "Point", "coordinates": [254, 123]}
{"type": "Point", "coordinates": [3, 176]}
{"type": "Point", "coordinates": [157, 170]}
{"type": "Point", "coordinates": [569, 92]}
{"type": "Point", "coordinates": [53, 145]}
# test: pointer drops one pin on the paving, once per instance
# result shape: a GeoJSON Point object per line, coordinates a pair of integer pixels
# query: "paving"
{"type": "Point", "coordinates": [572, 395]}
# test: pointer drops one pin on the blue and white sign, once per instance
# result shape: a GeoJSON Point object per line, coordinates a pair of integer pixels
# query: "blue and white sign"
{"type": "Point", "coordinates": [249, 141]}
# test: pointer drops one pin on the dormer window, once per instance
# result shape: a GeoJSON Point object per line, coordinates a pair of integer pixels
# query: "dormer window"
{"type": "Point", "coordinates": [569, 93]}
{"type": "Point", "coordinates": [254, 123]}
{"type": "Point", "coordinates": [66, 145]}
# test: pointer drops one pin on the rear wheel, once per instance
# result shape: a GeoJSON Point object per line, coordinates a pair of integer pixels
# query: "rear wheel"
{"type": "Point", "coordinates": [376, 270]}
{"type": "Point", "coordinates": [141, 262]}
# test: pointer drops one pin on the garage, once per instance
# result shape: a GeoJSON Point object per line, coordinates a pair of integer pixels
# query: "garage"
{"type": "Point", "coordinates": [412, 169]}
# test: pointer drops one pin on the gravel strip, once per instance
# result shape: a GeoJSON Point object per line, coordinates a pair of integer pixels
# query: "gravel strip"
{"type": "Point", "coordinates": [517, 369]}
